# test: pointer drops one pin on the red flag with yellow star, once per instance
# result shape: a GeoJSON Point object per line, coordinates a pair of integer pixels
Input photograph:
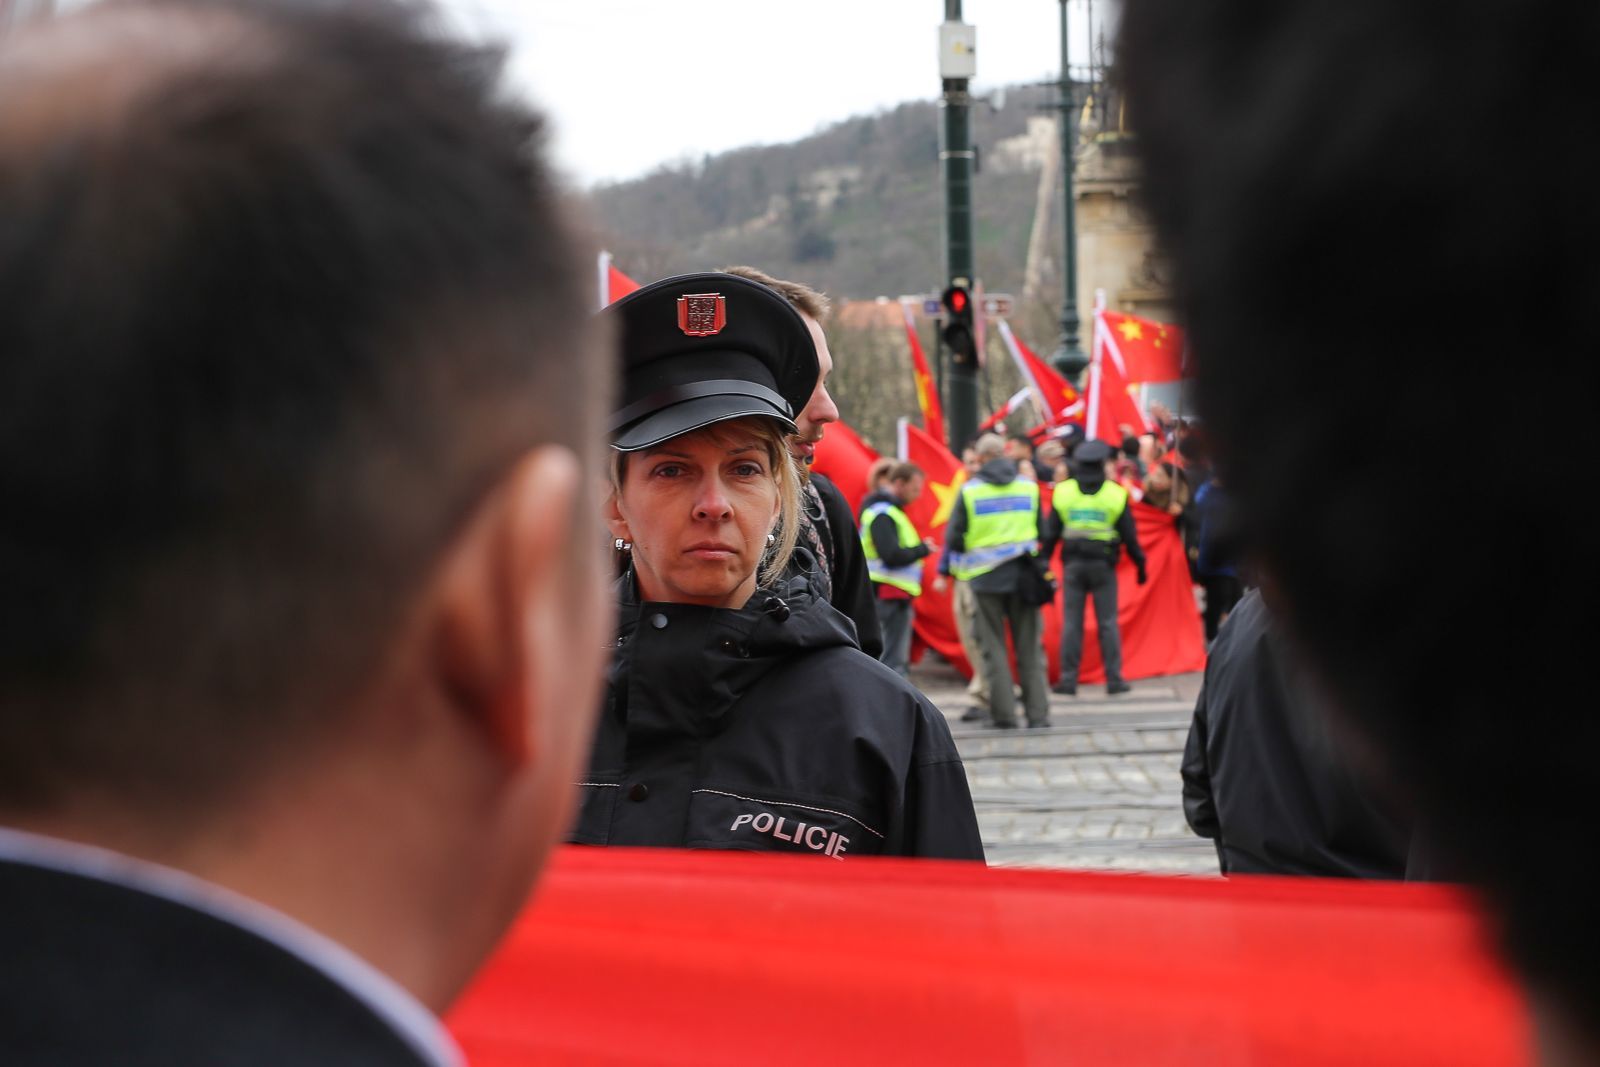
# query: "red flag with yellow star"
{"type": "Point", "coordinates": [927, 389]}
{"type": "Point", "coordinates": [846, 460]}
{"type": "Point", "coordinates": [1058, 401]}
{"type": "Point", "coordinates": [934, 622]}
{"type": "Point", "coordinates": [1151, 351]}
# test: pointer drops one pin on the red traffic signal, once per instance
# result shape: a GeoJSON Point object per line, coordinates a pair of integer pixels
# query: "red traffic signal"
{"type": "Point", "coordinates": [958, 332]}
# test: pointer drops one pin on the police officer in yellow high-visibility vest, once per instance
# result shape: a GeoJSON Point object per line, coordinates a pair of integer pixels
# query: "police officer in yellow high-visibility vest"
{"type": "Point", "coordinates": [895, 552]}
{"type": "Point", "coordinates": [1090, 515]}
{"type": "Point", "coordinates": [992, 532]}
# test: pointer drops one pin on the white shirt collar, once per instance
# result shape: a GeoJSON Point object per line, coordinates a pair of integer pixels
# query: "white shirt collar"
{"type": "Point", "coordinates": [404, 1014]}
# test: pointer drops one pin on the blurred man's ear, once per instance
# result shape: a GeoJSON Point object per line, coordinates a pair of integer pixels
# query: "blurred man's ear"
{"type": "Point", "coordinates": [521, 634]}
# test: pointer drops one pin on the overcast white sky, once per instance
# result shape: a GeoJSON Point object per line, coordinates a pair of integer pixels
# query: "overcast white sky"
{"type": "Point", "coordinates": [631, 84]}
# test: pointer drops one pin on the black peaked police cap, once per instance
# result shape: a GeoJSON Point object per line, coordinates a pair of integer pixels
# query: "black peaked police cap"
{"type": "Point", "coordinates": [703, 348]}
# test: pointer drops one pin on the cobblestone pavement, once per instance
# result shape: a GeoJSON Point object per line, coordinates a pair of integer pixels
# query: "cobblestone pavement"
{"type": "Point", "coordinates": [1099, 789]}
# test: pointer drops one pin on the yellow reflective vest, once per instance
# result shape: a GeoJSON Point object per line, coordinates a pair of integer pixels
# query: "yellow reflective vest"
{"type": "Point", "coordinates": [908, 577]}
{"type": "Point", "coordinates": [1002, 524]}
{"type": "Point", "coordinates": [1090, 516]}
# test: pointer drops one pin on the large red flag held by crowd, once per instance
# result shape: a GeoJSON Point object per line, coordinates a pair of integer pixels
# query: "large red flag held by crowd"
{"type": "Point", "coordinates": [927, 389]}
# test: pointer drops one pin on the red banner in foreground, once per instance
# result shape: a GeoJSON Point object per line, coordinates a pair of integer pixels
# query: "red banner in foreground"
{"type": "Point", "coordinates": [658, 956]}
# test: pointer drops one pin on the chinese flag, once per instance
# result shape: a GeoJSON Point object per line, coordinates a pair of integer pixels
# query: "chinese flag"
{"type": "Point", "coordinates": [927, 391]}
{"type": "Point", "coordinates": [1149, 351]}
{"type": "Point", "coordinates": [1110, 405]}
{"type": "Point", "coordinates": [934, 622]}
{"type": "Point", "coordinates": [845, 460]}
{"type": "Point", "coordinates": [1058, 400]}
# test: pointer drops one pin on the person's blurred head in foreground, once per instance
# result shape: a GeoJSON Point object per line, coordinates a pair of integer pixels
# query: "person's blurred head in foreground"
{"type": "Point", "coordinates": [1412, 174]}
{"type": "Point", "coordinates": [299, 419]}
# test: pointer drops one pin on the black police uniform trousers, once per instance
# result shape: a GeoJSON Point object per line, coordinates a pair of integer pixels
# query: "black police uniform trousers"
{"type": "Point", "coordinates": [1096, 578]}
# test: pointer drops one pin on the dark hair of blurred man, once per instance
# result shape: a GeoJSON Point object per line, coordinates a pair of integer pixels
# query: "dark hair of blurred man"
{"type": "Point", "coordinates": [299, 614]}
{"type": "Point", "coordinates": [1409, 175]}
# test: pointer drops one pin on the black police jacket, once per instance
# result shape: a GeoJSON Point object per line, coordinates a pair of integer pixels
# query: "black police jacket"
{"type": "Point", "coordinates": [766, 729]}
{"type": "Point", "coordinates": [1265, 775]}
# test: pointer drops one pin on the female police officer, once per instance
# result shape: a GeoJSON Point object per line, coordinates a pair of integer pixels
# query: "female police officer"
{"type": "Point", "coordinates": [739, 713]}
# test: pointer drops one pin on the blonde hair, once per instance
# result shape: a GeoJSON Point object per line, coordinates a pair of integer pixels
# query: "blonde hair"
{"type": "Point", "coordinates": [773, 438]}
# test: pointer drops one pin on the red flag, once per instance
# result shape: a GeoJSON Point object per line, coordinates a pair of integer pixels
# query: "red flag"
{"type": "Point", "coordinates": [1158, 621]}
{"type": "Point", "coordinates": [1149, 351]}
{"type": "Point", "coordinates": [1005, 411]}
{"type": "Point", "coordinates": [614, 285]}
{"type": "Point", "coordinates": [845, 460]}
{"type": "Point", "coordinates": [1059, 402]}
{"type": "Point", "coordinates": [927, 391]}
{"type": "Point", "coordinates": [1110, 405]}
{"type": "Point", "coordinates": [934, 622]}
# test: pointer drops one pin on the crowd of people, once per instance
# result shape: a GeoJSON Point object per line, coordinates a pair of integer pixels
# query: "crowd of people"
{"type": "Point", "coordinates": [307, 658]}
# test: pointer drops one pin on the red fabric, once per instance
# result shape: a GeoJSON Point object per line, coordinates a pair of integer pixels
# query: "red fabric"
{"type": "Point", "coordinates": [933, 621]}
{"type": "Point", "coordinates": [927, 391]}
{"type": "Point", "coordinates": [1151, 351]}
{"type": "Point", "coordinates": [1058, 400]}
{"type": "Point", "coordinates": [710, 958]}
{"type": "Point", "coordinates": [618, 283]}
{"type": "Point", "coordinates": [846, 460]}
{"type": "Point", "coordinates": [1158, 621]}
{"type": "Point", "coordinates": [1112, 408]}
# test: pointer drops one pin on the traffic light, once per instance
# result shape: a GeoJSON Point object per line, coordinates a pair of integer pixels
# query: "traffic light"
{"type": "Point", "coordinates": [958, 333]}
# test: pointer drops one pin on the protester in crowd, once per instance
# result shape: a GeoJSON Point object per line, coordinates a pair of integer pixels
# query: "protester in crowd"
{"type": "Point", "coordinates": [1019, 450]}
{"type": "Point", "coordinates": [992, 532]}
{"type": "Point", "coordinates": [1131, 450]}
{"type": "Point", "coordinates": [1090, 517]}
{"type": "Point", "coordinates": [895, 552]}
{"type": "Point", "coordinates": [1264, 775]}
{"type": "Point", "coordinates": [1124, 468]}
{"type": "Point", "coordinates": [1476, 707]}
{"type": "Point", "coordinates": [964, 606]}
{"type": "Point", "coordinates": [878, 475]}
{"type": "Point", "coordinates": [829, 548]}
{"type": "Point", "coordinates": [739, 712]}
{"type": "Point", "coordinates": [300, 606]}
{"type": "Point", "coordinates": [1164, 488]}
{"type": "Point", "coordinates": [1051, 461]}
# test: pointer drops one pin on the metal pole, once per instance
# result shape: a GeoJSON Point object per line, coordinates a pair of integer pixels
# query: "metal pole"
{"type": "Point", "coordinates": [1069, 358]}
{"type": "Point", "coordinates": [956, 157]}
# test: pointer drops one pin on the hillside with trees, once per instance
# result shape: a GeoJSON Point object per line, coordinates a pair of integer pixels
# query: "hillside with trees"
{"type": "Point", "coordinates": [855, 210]}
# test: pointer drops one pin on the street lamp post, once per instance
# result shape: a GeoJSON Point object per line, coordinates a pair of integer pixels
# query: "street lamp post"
{"type": "Point", "coordinates": [957, 65]}
{"type": "Point", "coordinates": [1069, 358]}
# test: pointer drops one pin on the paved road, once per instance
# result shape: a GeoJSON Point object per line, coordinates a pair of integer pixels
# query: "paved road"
{"type": "Point", "coordinates": [1098, 790]}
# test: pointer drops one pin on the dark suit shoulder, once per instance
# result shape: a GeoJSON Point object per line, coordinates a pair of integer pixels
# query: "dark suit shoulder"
{"type": "Point", "coordinates": [163, 984]}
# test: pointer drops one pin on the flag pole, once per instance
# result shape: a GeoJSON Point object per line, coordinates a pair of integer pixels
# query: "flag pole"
{"type": "Point", "coordinates": [603, 291]}
{"type": "Point", "coordinates": [1091, 427]}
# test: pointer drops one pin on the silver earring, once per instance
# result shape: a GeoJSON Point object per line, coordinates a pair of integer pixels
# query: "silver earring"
{"type": "Point", "coordinates": [622, 546]}
{"type": "Point", "coordinates": [772, 539]}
